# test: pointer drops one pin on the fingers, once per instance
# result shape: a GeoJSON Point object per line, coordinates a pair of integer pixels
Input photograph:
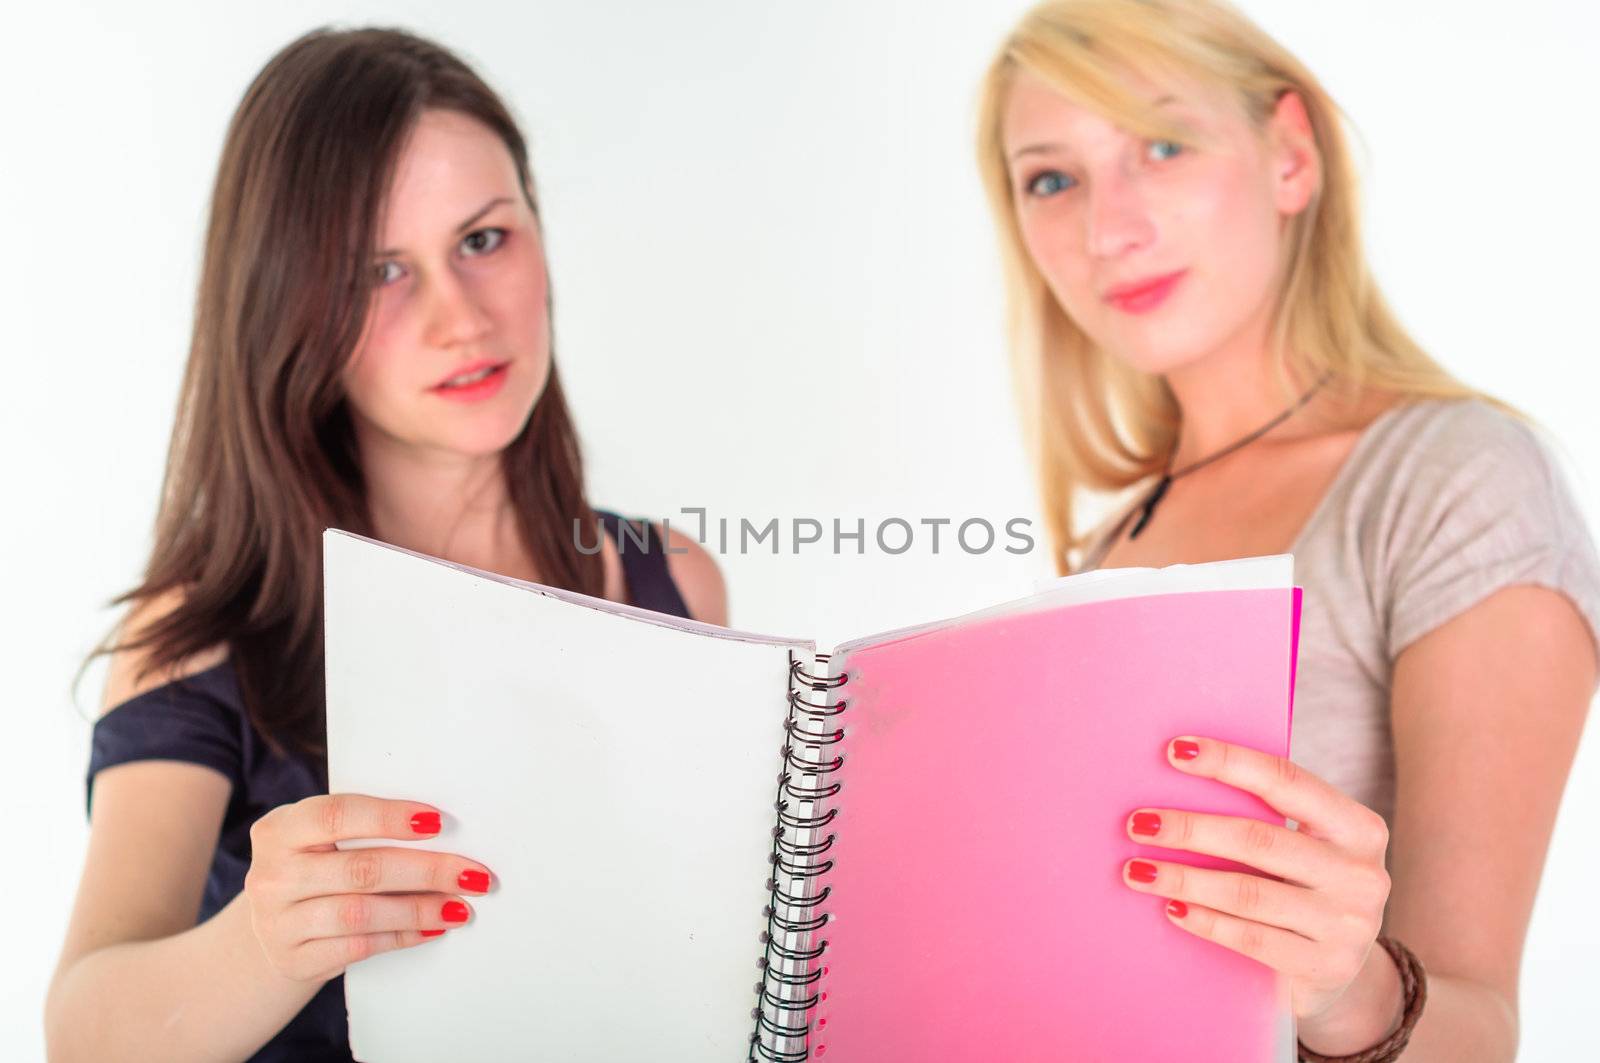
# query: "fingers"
{"type": "Point", "coordinates": [321, 936]}
{"type": "Point", "coordinates": [321, 820]}
{"type": "Point", "coordinates": [316, 909]}
{"type": "Point", "coordinates": [325, 957]}
{"type": "Point", "coordinates": [1244, 895]}
{"type": "Point", "coordinates": [1319, 807]}
{"type": "Point", "coordinates": [1318, 924]}
{"type": "Point", "coordinates": [385, 868]}
{"type": "Point", "coordinates": [1282, 950]}
{"type": "Point", "coordinates": [1272, 848]}
{"type": "Point", "coordinates": [357, 914]}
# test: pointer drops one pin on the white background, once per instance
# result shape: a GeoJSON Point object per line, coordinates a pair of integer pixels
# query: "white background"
{"type": "Point", "coordinates": [776, 295]}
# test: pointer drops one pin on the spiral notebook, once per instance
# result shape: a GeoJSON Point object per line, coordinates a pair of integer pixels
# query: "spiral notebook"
{"type": "Point", "coordinates": [716, 845]}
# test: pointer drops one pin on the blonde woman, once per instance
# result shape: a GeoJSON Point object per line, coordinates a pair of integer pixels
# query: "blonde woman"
{"type": "Point", "coordinates": [1194, 323]}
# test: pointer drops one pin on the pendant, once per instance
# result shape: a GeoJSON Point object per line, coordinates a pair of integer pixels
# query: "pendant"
{"type": "Point", "coordinates": [1150, 506]}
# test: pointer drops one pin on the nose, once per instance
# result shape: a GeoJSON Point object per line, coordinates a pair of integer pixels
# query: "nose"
{"type": "Point", "coordinates": [455, 313]}
{"type": "Point", "coordinates": [1117, 220]}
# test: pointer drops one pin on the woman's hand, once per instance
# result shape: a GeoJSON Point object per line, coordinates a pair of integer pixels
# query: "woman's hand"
{"type": "Point", "coordinates": [316, 909]}
{"type": "Point", "coordinates": [1319, 923]}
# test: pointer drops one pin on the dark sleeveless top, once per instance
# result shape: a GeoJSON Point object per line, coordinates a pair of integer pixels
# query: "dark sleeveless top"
{"type": "Point", "coordinates": [201, 719]}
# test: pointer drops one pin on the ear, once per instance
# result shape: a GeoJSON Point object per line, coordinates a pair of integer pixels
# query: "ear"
{"type": "Point", "coordinates": [1296, 164]}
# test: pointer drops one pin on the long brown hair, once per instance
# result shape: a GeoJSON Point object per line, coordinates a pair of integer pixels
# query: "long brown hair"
{"type": "Point", "coordinates": [263, 456]}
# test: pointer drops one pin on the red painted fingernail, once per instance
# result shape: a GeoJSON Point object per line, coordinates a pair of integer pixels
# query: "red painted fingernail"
{"type": "Point", "coordinates": [1146, 823]}
{"type": "Point", "coordinates": [473, 881]}
{"type": "Point", "coordinates": [1185, 750]}
{"type": "Point", "coordinates": [425, 823]}
{"type": "Point", "coordinates": [431, 933]}
{"type": "Point", "coordinates": [1140, 871]}
{"type": "Point", "coordinates": [1177, 909]}
{"type": "Point", "coordinates": [453, 912]}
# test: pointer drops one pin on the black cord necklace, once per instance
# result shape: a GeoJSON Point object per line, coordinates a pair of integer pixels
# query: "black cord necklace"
{"type": "Point", "coordinates": [1168, 475]}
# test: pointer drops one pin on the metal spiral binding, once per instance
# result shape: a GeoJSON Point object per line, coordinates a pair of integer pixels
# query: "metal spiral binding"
{"type": "Point", "coordinates": [789, 970]}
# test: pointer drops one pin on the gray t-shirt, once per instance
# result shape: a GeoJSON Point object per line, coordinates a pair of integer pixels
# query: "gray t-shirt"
{"type": "Point", "coordinates": [1440, 503]}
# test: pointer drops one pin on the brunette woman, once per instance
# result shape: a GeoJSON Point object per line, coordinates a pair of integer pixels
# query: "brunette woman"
{"type": "Point", "coordinates": [371, 351]}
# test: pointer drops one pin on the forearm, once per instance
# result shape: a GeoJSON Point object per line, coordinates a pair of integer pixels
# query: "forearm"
{"type": "Point", "coordinates": [206, 995]}
{"type": "Point", "coordinates": [1462, 1021]}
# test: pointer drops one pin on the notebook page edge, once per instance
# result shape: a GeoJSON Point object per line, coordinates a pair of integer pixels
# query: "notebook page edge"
{"type": "Point", "coordinates": [1269, 572]}
{"type": "Point", "coordinates": [604, 605]}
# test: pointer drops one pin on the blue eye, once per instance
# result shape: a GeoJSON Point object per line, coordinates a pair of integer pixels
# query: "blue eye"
{"type": "Point", "coordinates": [499, 238]}
{"type": "Point", "coordinates": [1048, 183]}
{"type": "Point", "coordinates": [1156, 145]}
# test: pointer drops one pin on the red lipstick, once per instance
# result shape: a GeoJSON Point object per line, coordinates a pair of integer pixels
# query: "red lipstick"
{"type": "Point", "coordinates": [1137, 297]}
{"type": "Point", "coordinates": [478, 380]}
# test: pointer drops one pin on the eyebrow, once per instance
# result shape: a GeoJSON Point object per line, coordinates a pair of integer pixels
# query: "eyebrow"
{"type": "Point", "coordinates": [1051, 145]}
{"type": "Point", "coordinates": [464, 226]}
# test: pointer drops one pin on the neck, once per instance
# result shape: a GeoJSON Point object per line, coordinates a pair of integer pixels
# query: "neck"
{"type": "Point", "coordinates": [1227, 395]}
{"type": "Point", "coordinates": [446, 505]}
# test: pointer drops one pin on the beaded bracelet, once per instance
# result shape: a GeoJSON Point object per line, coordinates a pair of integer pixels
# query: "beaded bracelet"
{"type": "Point", "coordinates": [1414, 982]}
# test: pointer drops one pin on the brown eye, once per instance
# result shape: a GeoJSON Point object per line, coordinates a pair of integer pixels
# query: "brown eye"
{"type": "Point", "coordinates": [483, 241]}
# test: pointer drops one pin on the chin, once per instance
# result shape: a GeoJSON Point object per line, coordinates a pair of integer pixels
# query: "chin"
{"type": "Point", "coordinates": [485, 439]}
{"type": "Point", "coordinates": [1154, 358]}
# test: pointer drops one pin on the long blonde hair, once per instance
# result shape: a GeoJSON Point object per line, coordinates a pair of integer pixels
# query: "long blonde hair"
{"type": "Point", "coordinates": [1093, 422]}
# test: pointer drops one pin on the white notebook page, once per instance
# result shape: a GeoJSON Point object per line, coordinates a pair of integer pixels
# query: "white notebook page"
{"type": "Point", "coordinates": [617, 777]}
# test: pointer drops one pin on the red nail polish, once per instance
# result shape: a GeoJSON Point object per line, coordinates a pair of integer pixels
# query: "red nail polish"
{"type": "Point", "coordinates": [1185, 750]}
{"type": "Point", "coordinates": [1146, 823]}
{"type": "Point", "coordinates": [473, 881]}
{"type": "Point", "coordinates": [453, 912]}
{"type": "Point", "coordinates": [425, 823]}
{"type": "Point", "coordinates": [1177, 909]}
{"type": "Point", "coordinates": [1140, 871]}
{"type": "Point", "coordinates": [431, 933]}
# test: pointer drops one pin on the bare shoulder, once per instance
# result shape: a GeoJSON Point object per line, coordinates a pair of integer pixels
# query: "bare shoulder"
{"type": "Point", "coordinates": [153, 823]}
{"type": "Point", "coordinates": [130, 673]}
{"type": "Point", "coordinates": [698, 578]}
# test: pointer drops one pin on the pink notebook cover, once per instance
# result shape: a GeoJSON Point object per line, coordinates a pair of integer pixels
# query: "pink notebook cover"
{"type": "Point", "coordinates": [977, 909]}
